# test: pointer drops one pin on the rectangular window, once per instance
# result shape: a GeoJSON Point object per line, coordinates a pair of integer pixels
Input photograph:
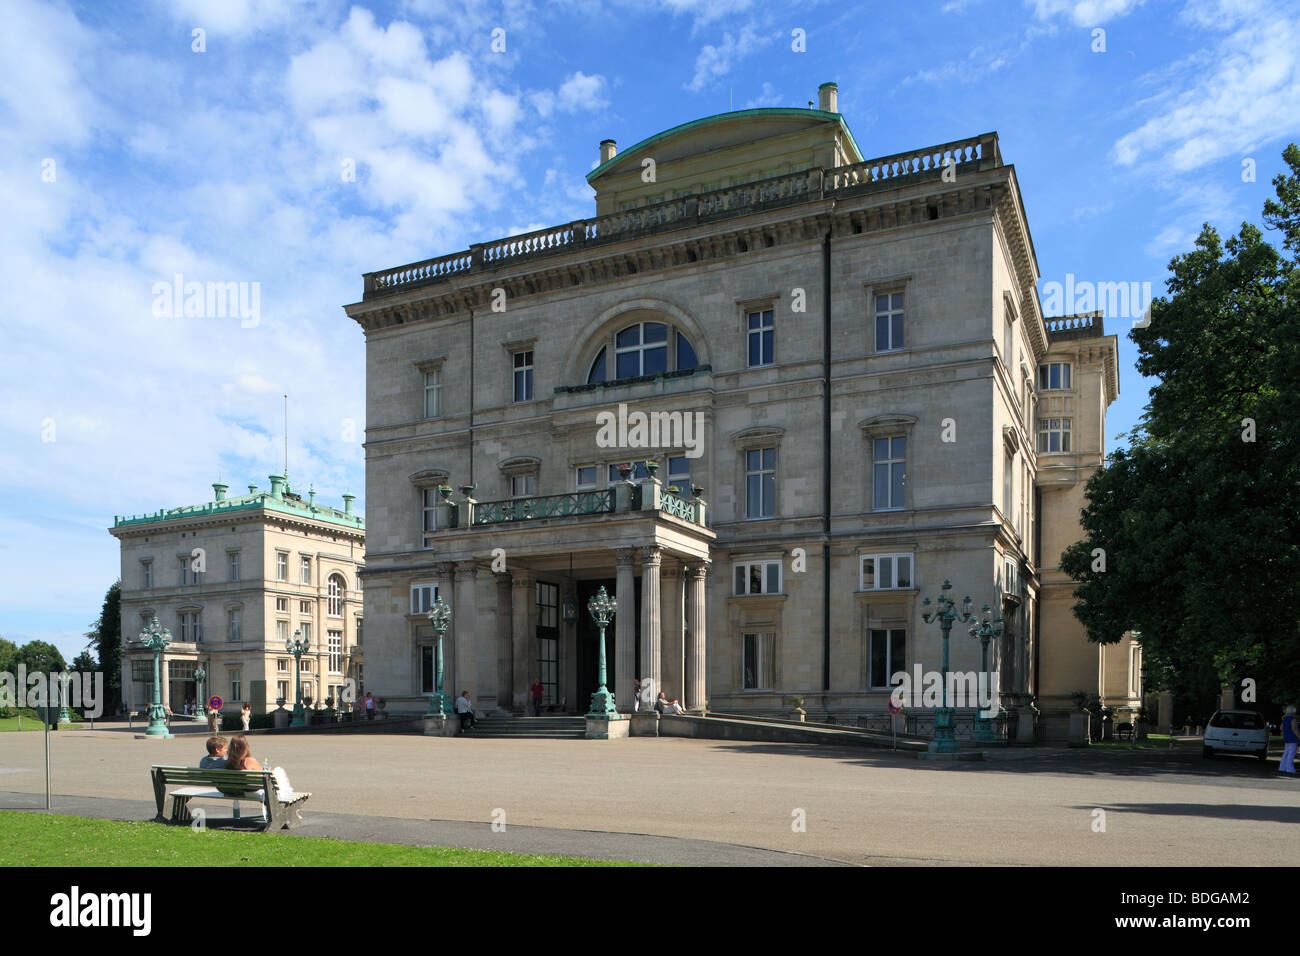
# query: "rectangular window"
{"type": "Point", "coordinates": [758, 663]}
{"type": "Point", "coordinates": [142, 671]}
{"type": "Point", "coordinates": [679, 473]}
{"type": "Point", "coordinates": [282, 690]}
{"type": "Point", "coordinates": [236, 682]}
{"type": "Point", "coordinates": [304, 628]}
{"type": "Point", "coordinates": [1009, 583]}
{"type": "Point", "coordinates": [585, 478]}
{"type": "Point", "coordinates": [282, 566]}
{"type": "Point", "coordinates": [758, 577]}
{"type": "Point", "coordinates": [760, 483]}
{"type": "Point", "coordinates": [191, 628]}
{"type": "Point", "coordinates": [886, 572]}
{"type": "Point", "coordinates": [429, 514]}
{"type": "Point", "coordinates": [888, 473]}
{"type": "Point", "coordinates": [282, 604]}
{"type": "Point", "coordinates": [427, 682]}
{"type": "Point", "coordinates": [282, 665]}
{"type": "Point", "coordinates": [234, 624]}
{"type": "Point", "coordinates": [304, 665]}
{"type": "Point", "coordinates": [433, 393]}
{"type": "Point", "coordinates": [336, 652]}
{"type": "Point", "coordinates": [887, 654]}
{"type": "Point", "coordinates": [282, 632]}
{"type": "Point", "coordinates": [523, 486]}
{"type": "Point", "coordinates": [889, 322]}
{"type": "Point", "coordinates": [185, 570]}
{"type": "Point", "coordinates": [1008, 339]}
{"type": "Point", "coordinates": [1008, 480]}
{"type": "Point", "coordinates": [761, 339]}
{"type": "Point", "coordinates": [304, 570]}
{"type": "Point", "coordinates": [359, 623]}
{"type": "Point", "coordinates": [1054, 375]}
{"type": "Point", "coordinates": [422, 597]}
{"type": "Point", "coordinates": [234, 565]}
{"type": "Point", "coordinates": [304, 607]}
{"type": "Point", "coordinates": [524, 376]}
{"type": "Point", "coordinates": [147, 568]}
{"type": "Point", "coordinates": [1053, 434]}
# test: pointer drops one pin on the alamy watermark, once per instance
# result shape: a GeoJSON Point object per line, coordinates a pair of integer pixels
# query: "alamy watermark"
{"type": "Point", "coordinates": [208, 300]}
{"type": "Point", "coordinates": [81, 689]}
{"type": "Point", "coordinates": [965, 689]}
{"type": "Point", "coordinates": [1120, 300]}
{"type": "Point", "coordinates": [638, 429]}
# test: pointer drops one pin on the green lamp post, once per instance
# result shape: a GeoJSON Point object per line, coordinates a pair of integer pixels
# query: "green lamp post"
{"type": "Point", "coordinates": [297, 646]}
{"type": "Point", "coordinates": [986, 628]}
{"type": "Point", "coordinates": [945, 740]}
{"type": "Point", "coordinates": [156, 638]}
{"type": "Point", "coordinates": [199, 675]}
{"type": "Point", "coordinates": [602, 608]}
{"type": "Point", "coordinates": [440, 618]}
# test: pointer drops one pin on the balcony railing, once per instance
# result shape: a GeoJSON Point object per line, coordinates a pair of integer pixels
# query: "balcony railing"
{"type": "Point", "coordinates": [979, 152]}
{"type": "Point", "coordinates": [547, 506]}
{"type": "Point", "coordinates": [648, 498]}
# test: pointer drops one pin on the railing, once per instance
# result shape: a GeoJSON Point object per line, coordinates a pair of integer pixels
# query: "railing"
{"type": "Point", "coordinates": [677, 507]}
{"type": "Point", "coordinates": [547, 506]}
{"type": "Point", "coordinates": [1089, 323]}
{"type": "Point", "coordinates": [980, 152]}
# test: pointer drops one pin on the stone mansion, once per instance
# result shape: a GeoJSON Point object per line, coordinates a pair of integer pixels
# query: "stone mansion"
{"type": "Point", "coordinates": [881, 406]}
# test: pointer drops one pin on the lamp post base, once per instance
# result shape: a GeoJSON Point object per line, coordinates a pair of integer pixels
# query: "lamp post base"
{"type": "Point", "coordinates": [984, 730]}
{"type": "Point", "coordinates": [157, 723]}
{"type": "Point", "coordinates": [608, 727]}
{"type": "Point", "coordinates": [945, 739]}
{"type": "Point", "coordinates": [299, 717]}
{"type": "Point", "coordinates": [437, 705]}
{"type": "Point", "coordinates": [602, 705]}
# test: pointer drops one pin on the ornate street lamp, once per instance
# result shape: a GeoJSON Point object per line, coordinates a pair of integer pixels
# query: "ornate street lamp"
{"type": "Point", "coordinates": [440, 618]}
{"type": "Point", "coordinates": [602, 608]}
{"type": "Point", "coordinates": [297, 646]}
{"type": "Point", "coordinates": [156, 638]}
{"type": "Point", "coordinates": [986, 628]}
{"type": "Point", "coordinates": [945, 741]}
{"type": "Point", "coordinates": [199, 675]}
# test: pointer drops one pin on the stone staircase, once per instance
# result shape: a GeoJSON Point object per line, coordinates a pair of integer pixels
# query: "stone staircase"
{"type": "Point", "coordinates": [509, 727]}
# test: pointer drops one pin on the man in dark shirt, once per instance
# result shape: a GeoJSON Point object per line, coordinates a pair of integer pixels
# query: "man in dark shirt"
{"type": "Point", "coordinates": [1290, 740]}
{"type": "Point", "coordinates": [216, 758]}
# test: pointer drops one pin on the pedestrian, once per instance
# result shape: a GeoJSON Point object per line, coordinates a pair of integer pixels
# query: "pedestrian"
{"type": "Point", "coordinates": [1290, 739]}
{"type": "Point", "coordinates": [465, 711]}
{"type": "Point", "coordinates": [370, 706]}
{"type": "Point", "coordinates": [246, 716]}
{"type": "Point", "coordinates": [636, 694]}
{"type": "Point", "coordinates": [537, 690]}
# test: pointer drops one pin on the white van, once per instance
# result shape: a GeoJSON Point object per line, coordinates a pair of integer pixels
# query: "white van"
{"type": "Point", "coordinates": [1236, 732]}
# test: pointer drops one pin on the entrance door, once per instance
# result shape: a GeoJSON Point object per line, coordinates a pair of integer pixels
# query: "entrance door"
{"type": "Point", "coordinates": [181, 685]}
{"type": "Point", "coordinates": [548, 644]}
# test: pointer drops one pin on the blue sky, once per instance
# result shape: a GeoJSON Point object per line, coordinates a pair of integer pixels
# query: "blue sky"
{"type": "Point", "coordinates": [129, 157]}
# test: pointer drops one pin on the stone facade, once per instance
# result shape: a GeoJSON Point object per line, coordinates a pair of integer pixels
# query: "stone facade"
{"type": "Point", "coordinates": [860, 343]}
{"type": "Point", "coordinates": [231, 579]}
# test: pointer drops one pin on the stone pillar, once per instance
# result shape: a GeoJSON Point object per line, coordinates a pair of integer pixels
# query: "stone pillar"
{"type": "Point", "coordinates": [696, 639]}
{"type": "Point", "coordinates": [523, 639]}
{"type": "Point", "coordinates": [651, 617]}
{"type": "Point", "coordinates": [624, 629]}
{"type": "Point", "coordinates": [466, 624]}
{"type": "Point", "coordinates": [505, 644]}
{"type": "Point", "coordinates": [672, 668]}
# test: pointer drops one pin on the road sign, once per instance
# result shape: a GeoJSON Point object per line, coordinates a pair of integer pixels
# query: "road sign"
{"type": "Point", "coordinates": [214, 703]}
{"type": "Point", "coordinates": [894, 706]}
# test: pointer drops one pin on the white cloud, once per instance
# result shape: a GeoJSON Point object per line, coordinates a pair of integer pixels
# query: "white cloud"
{"type": "Point", "coordinates": [715, 61]}
{"type": "Point", "coordinates": [581, 91]}
{"type": "Point", "coordinates": [768, 96]}
{"type": "Point", "coordinates": [1084, 13]}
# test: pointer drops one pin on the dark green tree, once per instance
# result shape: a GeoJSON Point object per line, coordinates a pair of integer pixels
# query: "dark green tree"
{"type": "Point", "coordinates": [85, 661]}
{"type": "Point", "coordinates": [1190, 533]}
{"type": "Point", "coordinates": [106, 638]}
{"type": "Point", "coordinates": [8, 655]}
{"type": "Point", "coordinates": [40, 656]}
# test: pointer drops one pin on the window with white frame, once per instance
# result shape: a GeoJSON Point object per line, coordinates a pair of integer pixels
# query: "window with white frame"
{"type": "Point", "coordinates": [236, 677]}
{"type": "Point", "coordinates": [304, 628]}
{"type": "Point", "coordinates": [433, 393]}
{"type": "Point", "coordinates": [1008, 480]}
{"type": "Point", "coordinates": [1008, 337]}
{"type": "Point", "coordinates": [282, 690]}
{"type": "Point", "coordinates": [1053, 376]}
{"type": "Point", "coordinates": [146, 569]}
{"type": "Point", "coordinates": [641, 349]}
{"type": "Point", "coordinates": [1053, 434]}
{"type": "Point", "coordinates": [234, 624]}
{"type": "Point", "coordinates": [429, 515]}
{"type": "Point", "coordinates": [679, 473]}
{"type": "Point", "coordinates": [304, 607]}
{"type": "Point", "coordinates": [282, 604]}
{"type": "Point", "coordinates": [305, 665]}
{"type": "Point", "coordinates": [584, 478]}
{"type": "Point", "coordinates": [282, 565]}
{"type": "Point", "coordinates": [889, 321]}
{"type": "Point", "coordinates": [758, 577]}
{"type": "Point", "coordinates": [233, 557]}
{"type": "Point", "coordinates": [1009, 576]}
{"type": "Point", "coordinates": [523, 376]}
{"type": "Point", "coordinates": [762, 338]}
{"type": "Point", "coordinates": [335, 639]}
{"type": "Point", "coordinates": [185, 570]}
{"type": "Point", "coordinates": [191, 627]}
{"type": "Point", "coordinates": [282, 665]}
{"type": "Point", "coordinates": [282, 632]}
{"type": "Point", "coordinates": [886, 572]}
{"type": "Point", "coordinates": [422, 597]}
{"type": "Point", "coordinates": [334, 599]}
{"type": "Point", "coordinates": [523, 486]}
{"type": "Point", "coordinates": [886, 655]}
{"type": "Point", "coordinates": [758, 661]}
{"type": "Point", "coordinates": [888, 473]}
{"type": "Point", "coordinates": [760, 482]}
{"type": "Point", "coordinates": [304, 570]}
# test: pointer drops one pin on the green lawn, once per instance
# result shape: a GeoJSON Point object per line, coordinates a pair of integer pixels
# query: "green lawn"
{"type": "Point", "coordinates": [40, 839]}
{"type": "Point", "coordinates": [29, 723]}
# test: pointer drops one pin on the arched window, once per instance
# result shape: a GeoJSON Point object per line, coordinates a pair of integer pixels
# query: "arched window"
{"type": "Point", "coordinates": [645, 348]}
{"type": "Point", "coordinates": [334, 602]}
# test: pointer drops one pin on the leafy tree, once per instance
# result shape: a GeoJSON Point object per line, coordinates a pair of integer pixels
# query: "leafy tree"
{"type": "Point", "coordinates": [40, 656]}
{"type": "Point", "coordinates": [8, 655]}
{"type": "Point", "coordinates": [106, 638]}
{"type": "Point", "coordinates": [85, 661]}
{"type": "Point", "coordinates": [1199, 516]}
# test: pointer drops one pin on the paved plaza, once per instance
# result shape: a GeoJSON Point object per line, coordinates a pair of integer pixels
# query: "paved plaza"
{"type": "Point", "coordinates": [698, 802]}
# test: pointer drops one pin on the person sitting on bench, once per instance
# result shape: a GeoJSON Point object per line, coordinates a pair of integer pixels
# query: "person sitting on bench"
{"type": "Point", "coordinates": [666, 706]}
{"type": "Point", "coordinates": [216, 758]}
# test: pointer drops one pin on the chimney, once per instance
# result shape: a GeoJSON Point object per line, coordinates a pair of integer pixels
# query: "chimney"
{"type": "Point", "coordinates": [827, 97]}
{"type": "Point", "coordinates": [608, 150]}
{"type": "Point", "coordinates": [220, 490]}
{"type": "Point", "coordinates": [251, 488]}
{"type": "Point", "coordinates": [347, 503]}
{"type": "Point", "coordinates": [277, 486]}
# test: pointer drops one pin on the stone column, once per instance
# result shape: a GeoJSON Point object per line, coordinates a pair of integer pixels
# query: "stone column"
{"type": "Point", "coordinates": [651, 617]}
{"type": "Point", "coordinates": [624, 629]}
{"type": "Point", "coordinates": [672, 668]}
{"type": "Point", "coordinates": [523, 639]}
{"type": "Point", "coordinates": [505, 644]}
{"type": "Point", "coordinates": [466, 624]}
{"type": "Point", "coordinates": [696, 639]}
